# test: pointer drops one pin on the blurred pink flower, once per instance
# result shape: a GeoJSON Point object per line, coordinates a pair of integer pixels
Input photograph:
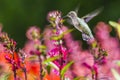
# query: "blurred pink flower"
{"type": "Point", "coordinates": [33, 33]}
{"type": "Point", "coordinates": [30, 46]}
{"type": "Point", "coordinates": [47, 35]}
{"type": "Point", "coordinates": [111, 45]}
{"type": "Point", "coordinates": [79, 56]}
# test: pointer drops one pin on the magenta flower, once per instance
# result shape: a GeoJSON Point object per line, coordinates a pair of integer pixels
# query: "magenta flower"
{"type": "Point", "coordinates": [54, 40]}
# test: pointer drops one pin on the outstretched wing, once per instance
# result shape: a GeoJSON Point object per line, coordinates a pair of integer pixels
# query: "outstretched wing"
{"type": "Point", "coordinates": [91, 15]}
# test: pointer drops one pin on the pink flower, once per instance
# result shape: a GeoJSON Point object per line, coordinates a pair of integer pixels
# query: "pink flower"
{"type": "Point", "coordinates": [30, 46]}
{"type": "Point", "coordinates": [33, 33]}
{"type": "Point", "coordinates": [54, 17]}
{"type": "Point", "coordinates": [111, 45]}
{"type": "Point", "coordinates": [79, 56]}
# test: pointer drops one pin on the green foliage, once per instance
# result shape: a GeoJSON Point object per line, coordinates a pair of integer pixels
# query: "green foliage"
{"type": "Point", "coordinates": [49, 62]}
{"type": "Point", "coordinates": [50, 59]}
{"type": "Point", "coordinates": [118, 62]}
{"type": "Point", "coordinates": [48, 69]}
{"type": "Point", "coordinates": [115, 74]}
{"type": "Point", "coordinates": [114, 24]}
{"type": "Point", "coordinates": [61, 35]}
{"type": "Point", "coordinates": [65, 68]}
{"type": "Point", "coordinates": [77, 78]}
{"type": "Point", "coordinates": [80, 78]}
{"type": "Point", "coordinates": [5, 76]}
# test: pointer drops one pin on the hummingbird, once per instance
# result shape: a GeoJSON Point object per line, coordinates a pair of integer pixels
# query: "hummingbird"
{"type": "Point", "coordinates": [81, 23]}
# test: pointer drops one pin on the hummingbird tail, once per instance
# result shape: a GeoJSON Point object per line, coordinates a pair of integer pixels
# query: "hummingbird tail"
{"type": "Point", "coordinates": [87, 37]}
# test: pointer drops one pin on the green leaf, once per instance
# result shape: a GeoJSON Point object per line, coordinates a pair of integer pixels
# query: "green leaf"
{"type": "Point", "coordinates": [77, 78]}
{"type": "Point", "coordinates": [118, 63]}
{"type": "Point", "coordinates": [51, 59]}
{"type": "Point", "coordinates": [80, 78]}
{"type": "Point", "coordinates": [33, 57]}
{"type": "Point", "coordinates": [48, 69]}
{"type": "Point", "coordinates": [61, 35]}
{"type": "Point", "coordinates": [5, 76]}
{"type": "Point", "coordinates": [41, 46]}
{"type": "Point", "coordinates": [56, 37]}
{"type": "Point", "coordinates": [65, 68]}
{"type": "Point", "coordinates": [115, 74]}
{"type": "Point", "coordinates": [114, 24]}
{"type": "Point", "coordinates": [68, 31]}
{"type": "Point", "coordinates": [51, 64]}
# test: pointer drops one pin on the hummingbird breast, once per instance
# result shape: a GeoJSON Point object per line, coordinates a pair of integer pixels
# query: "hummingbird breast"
{"type": "Point", "coordinates": [82, 26]}
{"type": "Point", "coordinates": [78, 24]}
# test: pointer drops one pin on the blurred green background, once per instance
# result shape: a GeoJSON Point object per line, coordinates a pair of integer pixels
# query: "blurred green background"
{"type": "Point", "coordinates": [18, 15]}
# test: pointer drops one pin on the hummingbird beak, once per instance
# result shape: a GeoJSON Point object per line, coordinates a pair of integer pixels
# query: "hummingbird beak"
{"type": "Point", "coordinates": [64, 16]}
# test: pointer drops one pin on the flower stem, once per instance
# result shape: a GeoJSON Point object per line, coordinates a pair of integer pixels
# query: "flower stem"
{"type": "Point", "coordinates": [60, 68]}
{"type": "Point", "coordinates": [14, 74]}
{"type": "Point", "coordinates": [61, 60]}
{"type": "Point", "coordinates": [14, 67]}
{"type": "Point", "coordinates": [94, 76]}
{"type": "Point", "coordinates": [40, 64]}
{"type": "Point", "coordinates": [25, 73]}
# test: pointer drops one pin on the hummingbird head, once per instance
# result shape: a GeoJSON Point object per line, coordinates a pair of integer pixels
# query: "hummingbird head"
{"type": "Point", "coordinates": [72, 14]}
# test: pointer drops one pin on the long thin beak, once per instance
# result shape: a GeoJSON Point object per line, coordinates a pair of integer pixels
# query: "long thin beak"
{"type": "Point", "coordinates": [64, 16]}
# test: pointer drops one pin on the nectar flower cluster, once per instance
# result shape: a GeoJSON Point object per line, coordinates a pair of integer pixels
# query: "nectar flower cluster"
{"type": "Point", "coordinates": [53, 54]}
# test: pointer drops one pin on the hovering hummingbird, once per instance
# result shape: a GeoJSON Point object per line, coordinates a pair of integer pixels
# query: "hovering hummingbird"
{"type": "Point", "coordinates": [81, 23]}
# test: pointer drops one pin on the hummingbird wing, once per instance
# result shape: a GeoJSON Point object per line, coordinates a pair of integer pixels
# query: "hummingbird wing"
{"type": "Point", "coordinates": [91, 15]}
